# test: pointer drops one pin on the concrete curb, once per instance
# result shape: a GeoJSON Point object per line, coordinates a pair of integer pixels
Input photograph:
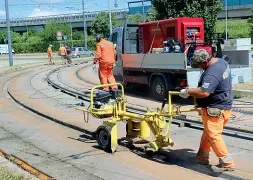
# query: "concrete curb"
{"type": "Point", "coordinates": [242, 93]}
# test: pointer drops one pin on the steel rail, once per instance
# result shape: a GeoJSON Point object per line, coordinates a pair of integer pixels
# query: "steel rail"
{"type": "Point", "coordinates": [228, 130]}
{"type": "Point", "coordinates": [26, 166]}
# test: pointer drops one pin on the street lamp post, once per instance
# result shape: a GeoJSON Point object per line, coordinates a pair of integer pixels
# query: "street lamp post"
{"type": "Point", "coordinates": [9, 33]}
{"type": "Point", "coordinates": [110, 16]}
{"type": "Point", "coordinates": [226, 4]}
{"type": "Point", "coordinates": [143, 11]}
{"type": "Point", "coordinates": [70, 27]}
{"type": "Point", "coordinates": [84, 27]}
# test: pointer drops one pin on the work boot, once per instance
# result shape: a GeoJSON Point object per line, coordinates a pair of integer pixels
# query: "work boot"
{"type": "Point", "coordinates": [202, 160]}
{"type": "Point", "coordinates": [219, 168]}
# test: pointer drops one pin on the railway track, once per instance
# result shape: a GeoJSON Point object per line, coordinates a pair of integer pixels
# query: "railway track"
{"type": "Point", "coordinates": [228, 130]}
{"type": "Point", "coordinates": [53, 79]}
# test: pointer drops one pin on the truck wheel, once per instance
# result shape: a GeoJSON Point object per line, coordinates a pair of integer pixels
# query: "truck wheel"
{"type": "Point", "coordinates": [158, 88]}
{"type": "Point", "coordinates": [103, 135]}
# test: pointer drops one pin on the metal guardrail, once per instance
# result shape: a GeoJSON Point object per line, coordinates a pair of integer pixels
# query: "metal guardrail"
{"type": "Point", "coordinates": [61, 18]}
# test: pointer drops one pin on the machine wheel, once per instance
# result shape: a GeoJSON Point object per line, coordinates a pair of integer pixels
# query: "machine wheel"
{"type": "Point", "coordinates": [78, 56]}
{"type": "Point", "coordinates": [103, 135]}
{"type": "Point", "coordinates": [226, 58]}
{"type": "Point", "coordinates": [158, 88]}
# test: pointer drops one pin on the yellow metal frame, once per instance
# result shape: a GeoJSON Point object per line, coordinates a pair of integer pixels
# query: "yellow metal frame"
{"type": "Point", "coordinates": [142, 124]}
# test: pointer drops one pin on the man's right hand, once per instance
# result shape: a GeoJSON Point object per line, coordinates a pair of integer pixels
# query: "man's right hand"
{"type": "Point", "coordinates": [184, 93]}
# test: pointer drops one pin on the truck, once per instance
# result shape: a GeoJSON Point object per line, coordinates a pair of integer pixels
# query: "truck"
{"type": "Point", "coordinates": [158, 55]}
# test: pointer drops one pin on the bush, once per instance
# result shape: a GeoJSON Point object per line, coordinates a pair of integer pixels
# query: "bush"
{"type": "Point", "coordinates": [35, 45]}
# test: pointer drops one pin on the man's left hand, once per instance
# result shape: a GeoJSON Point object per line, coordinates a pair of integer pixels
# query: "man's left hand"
{"type": "Point", "coordinates": [184, 93]}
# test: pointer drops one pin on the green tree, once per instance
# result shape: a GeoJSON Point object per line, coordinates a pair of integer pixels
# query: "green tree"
{"type": "Point", "coordinates": [78, 35]}
{"type": "Point", "coordinates": [49, 33]}
{"type": "Point", "coordinates": [168, 8]}
{"type": "Point", "coordinates": [250, 22]}
{"type": "Point", "coordinates": [15, 37]}
{"type": "Point", "coordinates": [135, 18]}
{"type": "Point", "coordinates": [101, 24]}
{"type": "Point", "coordinates": [151, 14]}
{"type": "Point", "coordinates": [207, 9]}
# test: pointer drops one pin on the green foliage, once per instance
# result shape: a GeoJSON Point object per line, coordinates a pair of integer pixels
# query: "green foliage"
{"type": "Point", "coordinates": [151, 14]}
{"type": "Point", "coordinates": [168, 8]}
{"type": "Point", "coordinates": [16, 37]}
{"type": "Point", "coordinates": [78, 35]}
{"type": "Point", "coordinates": [250, 21]}
{"type": "Point", "coordinates": [51, 28]}
{"type": "Point", "coordinates": [233, 30]}
{"type": "Point", "coordinates": [3, 34]}
{"type": "Point", "coordinates": [38, 42]}
{"type": "Point", "coordinates": [135, 18]}
{"type": "Point", "coordinates": [207, 9]}
{"type": "Point", "coordinates": [101, 24]}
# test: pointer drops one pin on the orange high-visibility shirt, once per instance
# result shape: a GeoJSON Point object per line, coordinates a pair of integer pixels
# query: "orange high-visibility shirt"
{"type": "Point", "coordinates": [105, 52]}
{"type": "Point", "coordinates": [63, 51]}
{"type": "Point", "coordinates": [49, 51]}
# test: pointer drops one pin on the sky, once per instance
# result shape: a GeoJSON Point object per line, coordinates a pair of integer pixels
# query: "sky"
{"type": "Point", "coordinates": [33, 8]}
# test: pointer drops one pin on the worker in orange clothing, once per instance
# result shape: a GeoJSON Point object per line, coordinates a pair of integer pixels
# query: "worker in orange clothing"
{"type": "Point", "coordinates": [63, 53]}
{"type": "Point", "coordinates": [105, 56]}
{"type": "Point", "coordinates": [215, 97]}
{"type": "Point", "coordinates": [50, 54]}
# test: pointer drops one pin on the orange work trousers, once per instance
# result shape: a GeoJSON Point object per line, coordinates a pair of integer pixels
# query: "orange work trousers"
{"type": "Point", "coordinates": [106, 75]}
{"type": "Point", "coordinates": [212, 138]}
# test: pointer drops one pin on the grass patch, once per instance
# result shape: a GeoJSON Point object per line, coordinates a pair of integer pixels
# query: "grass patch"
{"type": "Point", "coordinates": [8, 174]}
{"type": "Point", "coordinates": [237, 28]}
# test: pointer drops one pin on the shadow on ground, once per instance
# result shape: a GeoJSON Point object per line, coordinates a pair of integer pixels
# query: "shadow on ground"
{"type": "Point", "coordinates": [184, 158]}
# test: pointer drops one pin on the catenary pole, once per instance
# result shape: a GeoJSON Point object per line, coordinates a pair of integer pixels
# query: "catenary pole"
{"type": "Point", "coordinates": [9, 33]}
{"type": "Point", "coordinates": [84, 26]}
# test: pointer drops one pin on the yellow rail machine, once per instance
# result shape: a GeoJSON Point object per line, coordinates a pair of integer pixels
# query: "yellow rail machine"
{"type": "Point", "coordinates": [111, 106]}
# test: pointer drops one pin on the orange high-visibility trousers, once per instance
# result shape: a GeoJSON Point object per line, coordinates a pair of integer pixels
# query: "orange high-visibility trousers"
{"type": "Point", "coordinates": [106, 75]}
{"type": "Point", "coordinates": [212, 138]}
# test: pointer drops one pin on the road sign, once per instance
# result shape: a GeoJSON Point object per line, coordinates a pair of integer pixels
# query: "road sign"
{"type": "Point", "coordinates": [59, 34]}
{"type": "Point", "coordinates": [65, 37]}
{"type": "Point", "coordinates": [59, 38]}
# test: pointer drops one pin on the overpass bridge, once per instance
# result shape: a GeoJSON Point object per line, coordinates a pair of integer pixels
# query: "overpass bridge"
{"type": "Point", "coordinates": [37, 23]}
